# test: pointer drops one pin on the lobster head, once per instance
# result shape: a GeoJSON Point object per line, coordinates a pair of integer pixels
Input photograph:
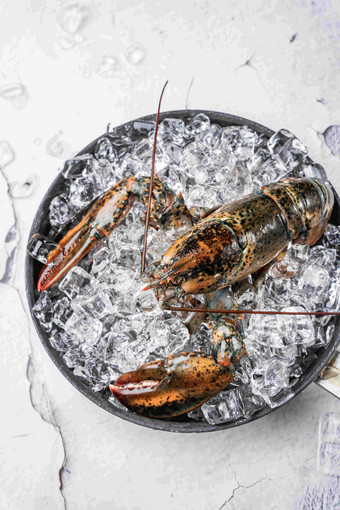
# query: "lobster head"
{"type": "Point", "coordinates": [199, 261]}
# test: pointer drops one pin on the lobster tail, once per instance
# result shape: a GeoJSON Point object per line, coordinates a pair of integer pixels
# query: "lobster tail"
{"type": "Point", "coordinates": [306, 205]}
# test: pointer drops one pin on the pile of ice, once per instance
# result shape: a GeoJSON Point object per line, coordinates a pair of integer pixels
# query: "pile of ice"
{"type": "Point", "coordinates": [102, 324]}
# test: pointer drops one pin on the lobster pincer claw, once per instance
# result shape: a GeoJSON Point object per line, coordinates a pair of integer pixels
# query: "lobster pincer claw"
{"type": "Point", "coordinates": [167, 388]}
{"type": "Point", "coordinates": [78, 242]}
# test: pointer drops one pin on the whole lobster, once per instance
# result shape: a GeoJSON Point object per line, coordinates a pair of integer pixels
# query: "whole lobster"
{"type": "Point", "coordinates": [222, 248]}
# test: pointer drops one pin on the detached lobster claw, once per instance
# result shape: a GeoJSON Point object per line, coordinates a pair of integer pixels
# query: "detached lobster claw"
{"type": "Point", "coordinates": [182, 382]}
{"type": "Point", "coordinates": [162, 389]}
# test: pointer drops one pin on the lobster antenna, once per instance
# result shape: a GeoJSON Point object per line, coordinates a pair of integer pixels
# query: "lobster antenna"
{"type": "Point", "coordinates": [253, 312]}
{"type": "Point", "coordinates": [147, 217]}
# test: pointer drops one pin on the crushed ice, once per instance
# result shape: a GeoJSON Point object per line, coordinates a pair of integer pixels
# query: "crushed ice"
{"type": "Point", "coordinates": [102, 324]}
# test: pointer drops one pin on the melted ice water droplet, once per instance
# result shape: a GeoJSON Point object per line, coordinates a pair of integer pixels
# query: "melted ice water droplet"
{"type": "Point", "coordinates": [329, 444]}
{"type": "Point", "coordinates": [16, 94]}
{"type": "Point", "coordinates": [6, 153]}
{"type": "Point", "coordinates": [109, 67]}
{"type": "Point", "coordinates": [135, 54]}
{"type": "Point", "coordinates": [56, 147]}
{"type": "Point", "coordinates": [73, 18]}
{"type": "Point", "coordinates": [23, 190]}
{"type": "Point", "coordinates": [332, 139]}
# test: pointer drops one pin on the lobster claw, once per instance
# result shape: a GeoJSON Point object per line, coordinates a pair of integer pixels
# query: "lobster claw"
{"type": "Point", "coordinates": [167, 388]}
{"type": "Point", "coordinates": [72, 248]}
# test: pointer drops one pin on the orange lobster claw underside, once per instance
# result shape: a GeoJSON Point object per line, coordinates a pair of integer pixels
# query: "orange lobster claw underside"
{"type": "Point", "coordinates": [167, 388]}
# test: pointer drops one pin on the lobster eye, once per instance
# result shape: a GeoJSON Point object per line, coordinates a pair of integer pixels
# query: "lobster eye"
{"type": "Point", "coordinates": [177, 280]}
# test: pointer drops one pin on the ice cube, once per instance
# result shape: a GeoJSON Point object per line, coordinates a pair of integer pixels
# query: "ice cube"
{"type": "Point", "coordinates": [269, 378]}
{"type": "Point", "coordinates": [144, 127]}
{"type": "Point", "coordinates": [60, 340]}
{"type": "Point", "coordinates": [237, 181]}
{"type": "Point", "coordinates": [284, 269]}
{"type": "Point", "coordinates": [322, 257]}
{"type": "Point", "coordinates": [77, 354]}
{"type": "Point", "coordinates": [298, 329]}
{"type": "Point", "coordinates": [197, 126]}
{"type": "Point", "coordinates": [172, 336]}
{"type": "Point", "coordinates": [97, 305]}
{"type": "Point", "coordinates": [240, 141]}
{"type": "Point", "coordinates": [174, 177]}
{"type": "Point", "coordinates": [82, 191]}
{"type": "Point", "coordinates": [112, 345]}
{"type": "Point", "coordinates": [313, 285]}
{"type": "Point", "coordinates": [193, 155]}
{"type": "Point", "coordinates": [102, 260]}
{"type": "Point", "coordinates": [101, 174]}
{"type": "Point", "coordinates": [278, 139]}
{"type": "Point", "coordinates": [128, 256]}
{"type": "Point", "coordinates": [290, 149]}
{"type": "Point", "coordinates": [97, 373]}
{"type": "Point", "coordinates": [61, 210]}
{"type": "Point", "coordinates": [266, 168]}
{"type": "Point", "coordinates": [146, 301]}
{"type": "Point", "coordinates": [268, 329]}
{"type": "Point", "coordinates": [158, 243]}
{"type": "Point", "coordinates": [125, 281]}
{"type": "Point", "coordinates": [172, 130]}
{"type": "Point", "coordinates": [212, 137]}
{"type": "Point", "coordinates": [276, 291]}
{"type": "Point", "coordinates": [62, 311]}
{"type": "Point", "coordinates": [200, 196]}
{"type": "Point", "coordinates": [332, 301]}
{"type": "Point", "coordinates": [122, 351]}
{"type": "Point", "coordinates": [223, 408]}
{"type": "Point", "coordinates": [84, 328]}
{"type": "Point", "coordinates": [43, 310]}
{"type": "Point", "coordinates": [74, 167]}
{"type": "Point", "coordinates": [77, 282]}
{"type": "Point", "coordinates": [105, 150]}
{"type": "Point", "coordinates": [248, 402]}
{"type": "Point", "coordinates": [39, 247]}
{"type": "Point", "coordinates": [331, 237]}
{"type": "Point", "coordinates": [298, 252]}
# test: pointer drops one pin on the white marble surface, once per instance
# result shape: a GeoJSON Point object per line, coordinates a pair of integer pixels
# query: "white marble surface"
{"type": "Point", "coordinates": [274, 62]}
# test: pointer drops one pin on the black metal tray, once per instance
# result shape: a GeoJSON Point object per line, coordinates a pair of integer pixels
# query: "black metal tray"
{"type": "Point", "coordinates": [182, 423]}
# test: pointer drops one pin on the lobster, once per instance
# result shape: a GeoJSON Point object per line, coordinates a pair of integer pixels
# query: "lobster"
{"type": "Point", "coordinates": [220, 249]}
{"type": "Point", "coordinates": [224, 247]}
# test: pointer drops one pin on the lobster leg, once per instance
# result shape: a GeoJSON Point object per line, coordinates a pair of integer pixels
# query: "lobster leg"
{"type": "Point", "coordinates": [181, 382]}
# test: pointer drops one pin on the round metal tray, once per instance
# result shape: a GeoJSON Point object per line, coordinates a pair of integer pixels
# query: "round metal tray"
{"type": "Point", "coordinates": [182, 423]}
